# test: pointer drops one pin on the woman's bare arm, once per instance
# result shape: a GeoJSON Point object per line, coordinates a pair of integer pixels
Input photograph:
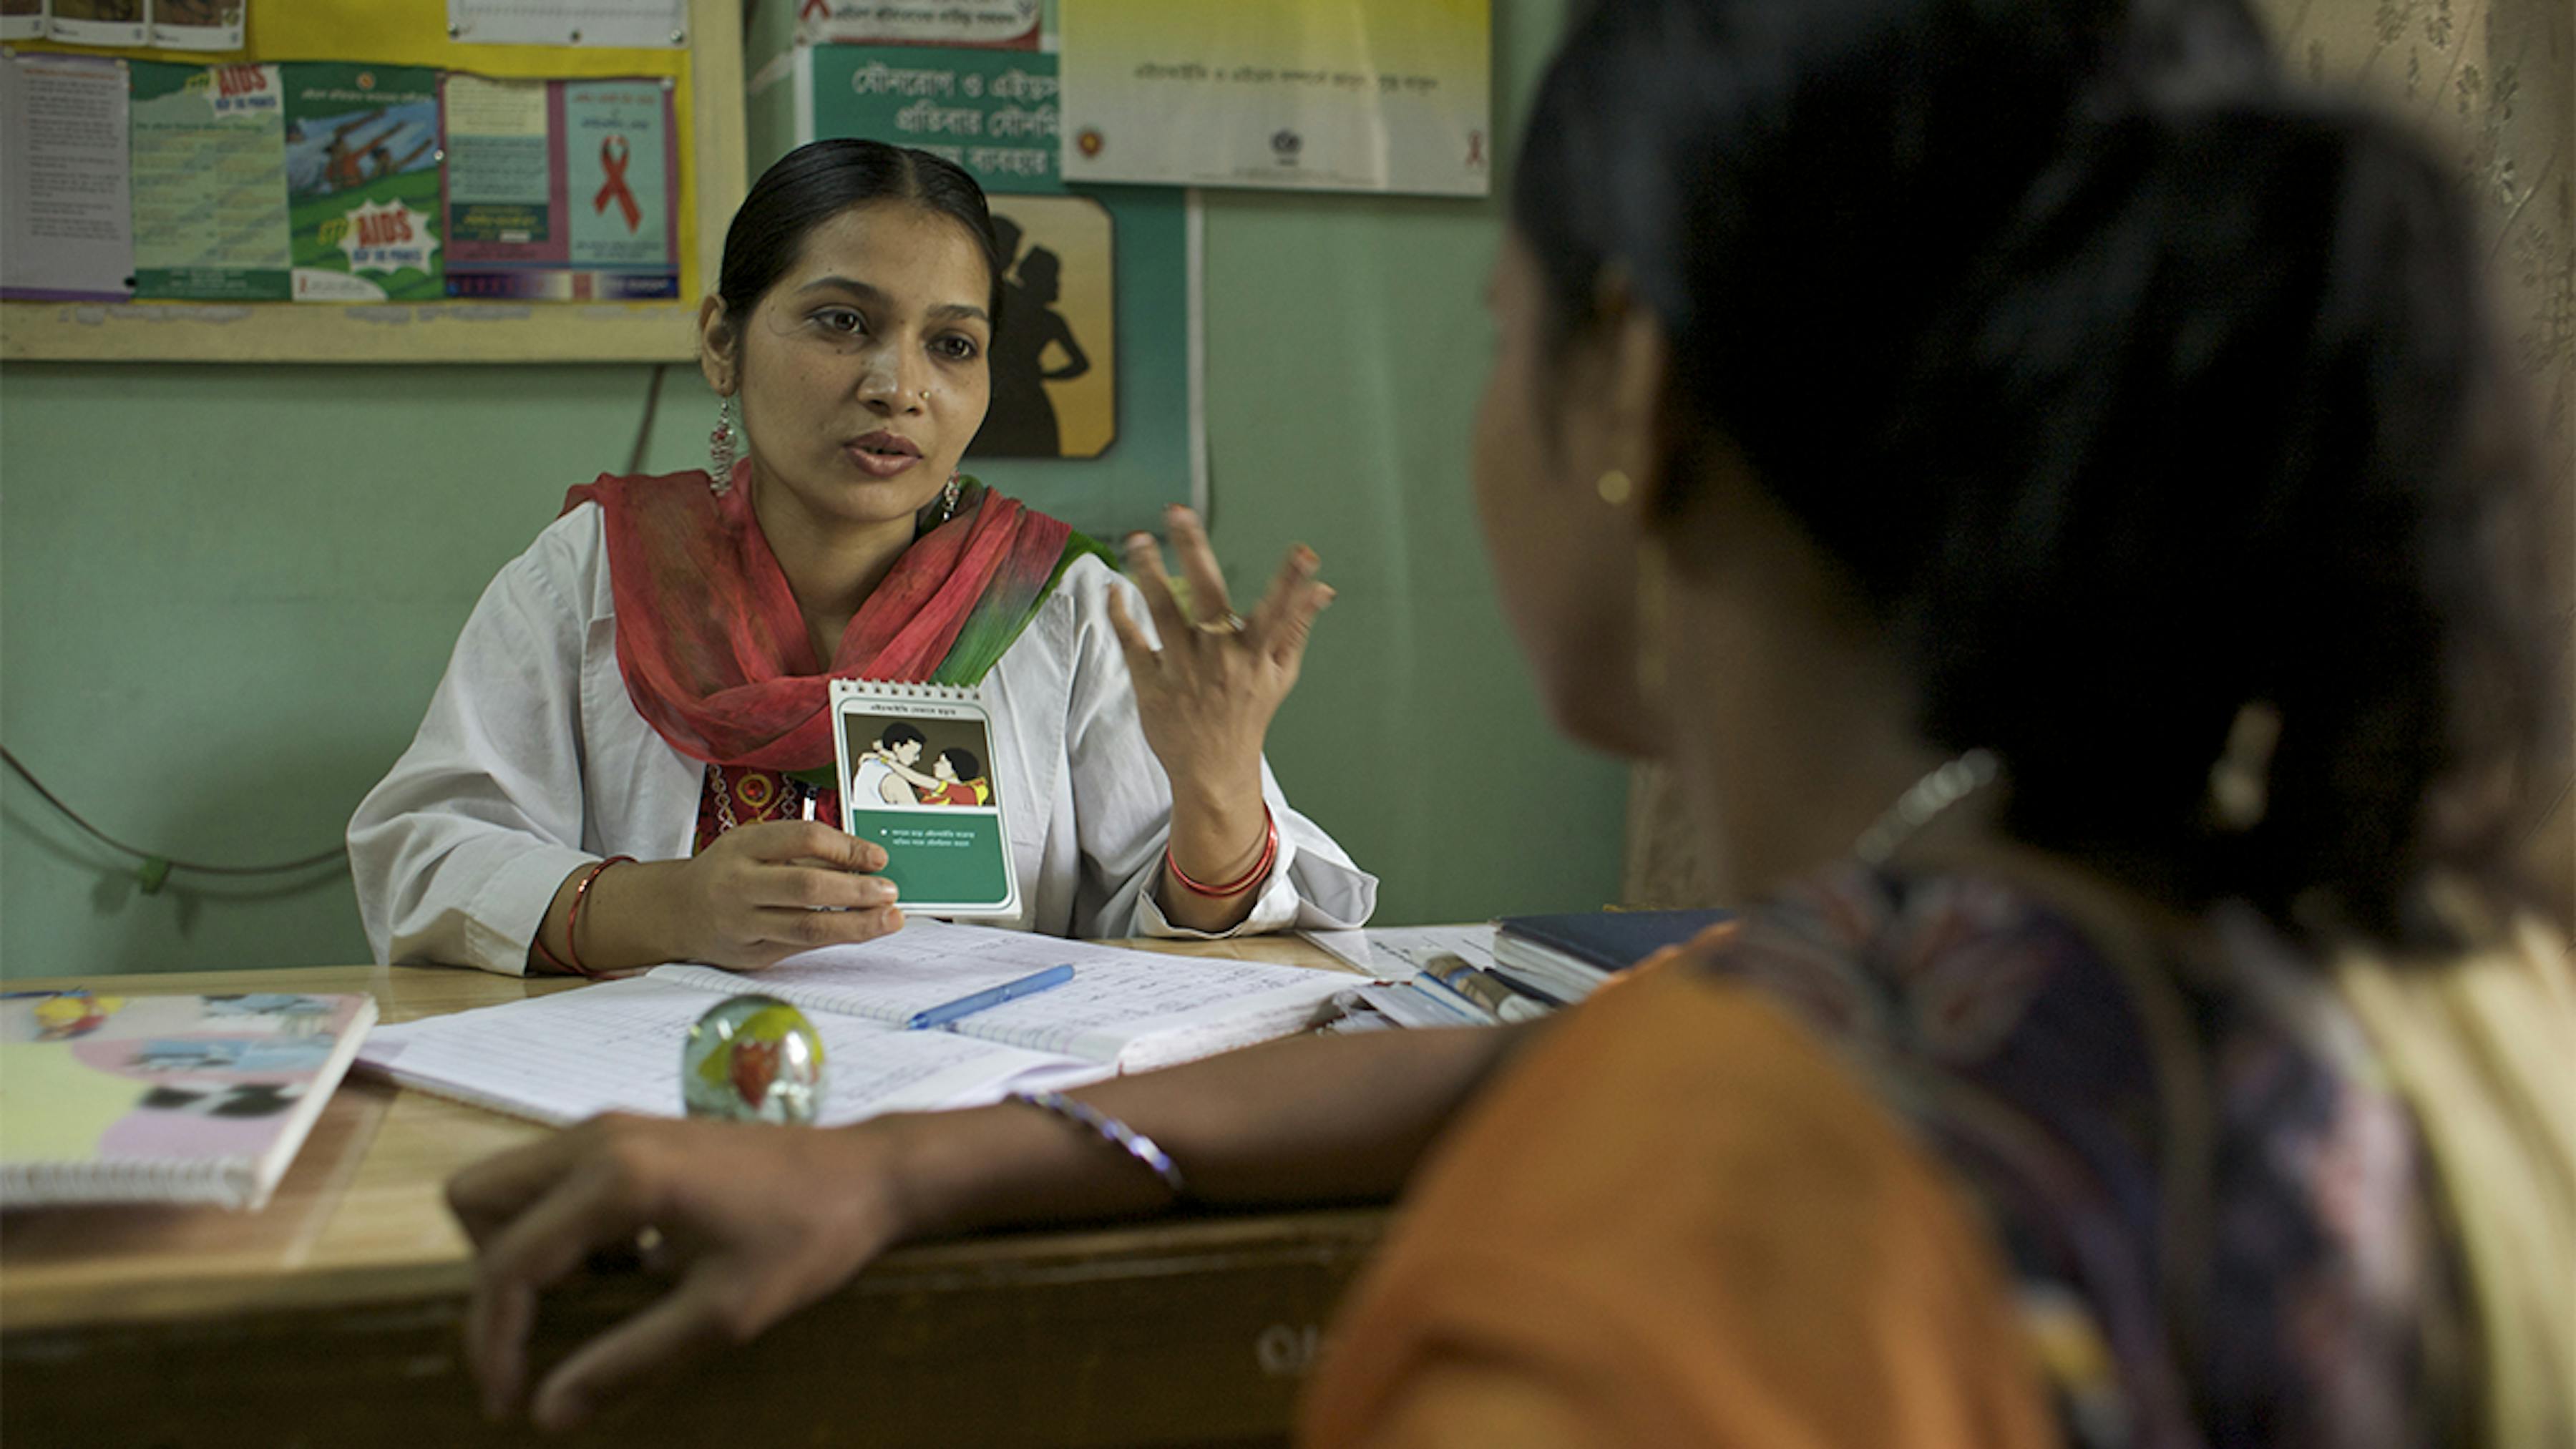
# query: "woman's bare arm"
{"type": "Point", "coordinates": [755, 1222]}
{"type": "Point", "coordinates": [1310, 1119]}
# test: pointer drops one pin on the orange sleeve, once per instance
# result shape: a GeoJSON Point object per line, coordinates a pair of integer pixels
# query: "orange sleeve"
{"type": "Point", "coordinates": [1678, 1221]}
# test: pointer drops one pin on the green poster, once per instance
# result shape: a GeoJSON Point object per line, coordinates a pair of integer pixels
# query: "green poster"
{"type": "Point", "coordinates": [499, 183]}
{"type": "Point", "coordinates": [209, 182]}
{"type": "Point", "coordinates": [990, 111]}
{"type": "Point", "coordinates": [362, 182]}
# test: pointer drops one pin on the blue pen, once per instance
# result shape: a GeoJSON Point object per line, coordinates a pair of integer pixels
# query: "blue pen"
{"type": "Point", "coordinates": [1029, 985]}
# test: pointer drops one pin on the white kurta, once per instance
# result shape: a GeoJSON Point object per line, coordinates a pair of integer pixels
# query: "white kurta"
{"type": "Point", "coordinates": [533, 762]}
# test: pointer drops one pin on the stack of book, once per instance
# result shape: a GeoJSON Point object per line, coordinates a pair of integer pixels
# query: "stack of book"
{"type": "Point", "coordinates": [1517, 969]}
{"type": "Point", "coordinates": [1559, 960]}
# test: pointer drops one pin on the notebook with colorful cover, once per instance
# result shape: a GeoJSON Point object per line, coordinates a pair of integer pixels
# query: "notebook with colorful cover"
{"type": "Point", "coordinates": [164, 1099]}
{"type": "Point", "coordinates": [1564, 957]}
{"type": "Point", "coordinates": [919, 776]}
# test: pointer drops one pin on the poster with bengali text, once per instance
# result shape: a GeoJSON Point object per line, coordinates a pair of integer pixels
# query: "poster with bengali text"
{"type": "Point", "coordinates": [505, 188]}
{"type": "Point", "coordinates": [198, 24]}
{"type": "Point", "coordinates": [992, 24]}
{"type": "Point", "coordinates": [66, 210]}
{"type": "Point", "coordinates": [209, 152]}
{"type": "Point", "coordinates": [362, 182]}
{"type": "Point", "coordinates": [1316, 95]}
{"type": "Point", "coordinates": [1054, 356]}
{"type": "Point", "coordinates": [529, 220]}
{"type": "Point", "coordinates": [159, 24]}
{"type": "Point", "coordinates": [22, 19]}
{"type": "Point", "coordinates": [98, 22]}
{"type": "Point", "coordinates": [620, 159]}
{"type": "Point", "coordinates": [1092, 363]}
{"type": "Point", "coordinates": [591, 24]}
{"type": "Point", "coordinates": [991, 112]}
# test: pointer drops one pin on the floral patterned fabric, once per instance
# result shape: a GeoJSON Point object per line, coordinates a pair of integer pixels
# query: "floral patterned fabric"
{"type": "Point", "coordinates": [2122, 1137]}
{"type": "Point", "coordinates": [745, 795]}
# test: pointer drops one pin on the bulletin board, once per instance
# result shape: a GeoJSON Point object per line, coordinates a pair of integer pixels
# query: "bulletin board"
{"type": "Point", "coordinates": [704, 83]}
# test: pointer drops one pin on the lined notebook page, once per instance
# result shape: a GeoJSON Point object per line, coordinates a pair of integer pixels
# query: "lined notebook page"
{"type": "Point", "coordinates": [1135, 1009]}
{"type": "Point", "coordinates": [615, 1047]}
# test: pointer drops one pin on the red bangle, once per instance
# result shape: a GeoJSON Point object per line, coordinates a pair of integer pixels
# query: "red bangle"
{"type": "Point", "coordinates": [572, 920]}
{"type": "Point", "coordinates": [537, 943]}
{"type": "Point", "coordinates": [1249, 879]}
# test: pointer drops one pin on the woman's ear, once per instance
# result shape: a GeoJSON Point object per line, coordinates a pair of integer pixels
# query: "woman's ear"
{"type": "Point", "coordinates": [1637, 382]}
{"type": "Point", "coordinates": [716, 344]}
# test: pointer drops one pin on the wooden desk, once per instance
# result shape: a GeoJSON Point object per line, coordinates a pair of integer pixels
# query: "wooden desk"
{"type": "Point", "coordinates": [332, 1316]}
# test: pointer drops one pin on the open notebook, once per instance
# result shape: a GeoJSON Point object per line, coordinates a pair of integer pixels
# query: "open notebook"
{"type": "Point", "coordinates": [616, 1046]}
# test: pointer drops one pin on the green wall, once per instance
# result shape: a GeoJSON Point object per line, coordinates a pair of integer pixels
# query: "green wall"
{"type": "Point", "coordinates": [226, 592]}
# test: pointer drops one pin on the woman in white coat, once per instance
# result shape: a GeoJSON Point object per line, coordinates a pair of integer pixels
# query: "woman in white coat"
{"type": "Point", "coordinates": [629, 759]}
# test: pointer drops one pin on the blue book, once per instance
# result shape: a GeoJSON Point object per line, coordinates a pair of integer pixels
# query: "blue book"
{"type": "Point", "coordinates": [1564, 957]}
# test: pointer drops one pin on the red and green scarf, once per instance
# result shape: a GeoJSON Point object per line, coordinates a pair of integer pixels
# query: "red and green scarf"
{"type": "Point", "coordinates": [716, 655]}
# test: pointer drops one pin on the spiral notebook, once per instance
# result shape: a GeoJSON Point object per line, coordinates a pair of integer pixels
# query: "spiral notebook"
{"type": "Point", "coordinates": [107, 1098]}
{"type": "Point", "coordinates": [920, 777]}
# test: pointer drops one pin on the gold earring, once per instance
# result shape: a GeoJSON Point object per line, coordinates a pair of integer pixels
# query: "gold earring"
{"type": "Point", "coordinates": [1614, 487]}
{"type": "Point", "coordinates": [2240, 784]}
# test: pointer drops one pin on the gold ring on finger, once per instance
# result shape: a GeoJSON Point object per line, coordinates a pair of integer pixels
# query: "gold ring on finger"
{"type": "Point", "coordinates": [1232, 623]}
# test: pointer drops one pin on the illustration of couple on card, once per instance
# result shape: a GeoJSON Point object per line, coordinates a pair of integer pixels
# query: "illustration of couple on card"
{"type": "Point", "coordinates": [890, 772]}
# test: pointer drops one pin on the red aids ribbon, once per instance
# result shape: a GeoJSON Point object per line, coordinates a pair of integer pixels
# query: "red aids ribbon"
{"type": "Point", "coordinates": [813, 8]}
{"type": "Point", "coordinates": [612, 164]}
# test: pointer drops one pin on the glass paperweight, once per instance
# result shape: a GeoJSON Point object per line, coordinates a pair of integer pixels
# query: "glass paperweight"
{"type": "Point", "coordinates": [753, 1059]}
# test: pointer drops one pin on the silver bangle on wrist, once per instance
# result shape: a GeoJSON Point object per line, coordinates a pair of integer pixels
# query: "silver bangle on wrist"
{"type": "Point", "coordinates": [1112, 1131]}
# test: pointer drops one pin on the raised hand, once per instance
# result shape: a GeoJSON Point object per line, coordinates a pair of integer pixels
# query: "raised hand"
{"type": "Point", "coordinates": [1206, 696]}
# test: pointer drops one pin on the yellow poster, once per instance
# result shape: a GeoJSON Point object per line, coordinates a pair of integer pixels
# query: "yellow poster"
{"type": "Point", "coordinates": [1324, 95]}
{"type": "Point", "coordinates": [1054, 357]}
